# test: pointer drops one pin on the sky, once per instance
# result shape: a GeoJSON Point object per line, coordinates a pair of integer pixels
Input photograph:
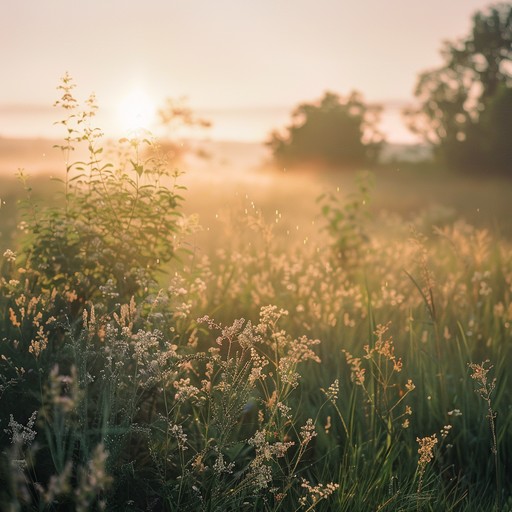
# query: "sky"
{"type": "Point", "coordinates": [243, 61]}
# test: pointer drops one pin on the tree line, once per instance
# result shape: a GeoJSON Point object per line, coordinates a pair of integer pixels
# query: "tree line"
{"type": "Point", "coordinates": [463, 109]}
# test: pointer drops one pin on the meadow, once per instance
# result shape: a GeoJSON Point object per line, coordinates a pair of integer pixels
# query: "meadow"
{"type": "Point", "coordinates": [266, 340]}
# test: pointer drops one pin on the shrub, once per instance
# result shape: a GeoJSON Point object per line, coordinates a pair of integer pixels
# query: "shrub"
{"type": "Point", "coordinates": [115, 225]}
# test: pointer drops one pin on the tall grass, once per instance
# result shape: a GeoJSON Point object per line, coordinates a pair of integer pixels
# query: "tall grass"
{"type": "Point", "coordinates": [263, 375]}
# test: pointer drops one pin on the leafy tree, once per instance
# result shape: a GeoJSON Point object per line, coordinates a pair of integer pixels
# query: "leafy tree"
{"type": "Point", "coordinates": [465, 106]}
{"type": "Point", "coordinates": [334, 131]}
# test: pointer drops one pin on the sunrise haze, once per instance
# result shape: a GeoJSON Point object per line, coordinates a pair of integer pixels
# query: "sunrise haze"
{"type": "Point", "coordinates": [243, 64]}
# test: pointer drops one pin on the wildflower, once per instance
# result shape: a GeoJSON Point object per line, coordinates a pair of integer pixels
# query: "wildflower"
{"type": "Point", "coordinates": [383, 347]}
{"type": "Point", "coordinates": [261, 476]}
{"type": "Point", "coordinates": [287, 372]}
{"type": "Point", "coordinates": [284, 410]}
{"type": "Point", "coordinates": [426, 451]}
{"type": "Point", "coordinates": [220, 465]}
{"type": "Point", "coordinates": [198, 463]}
{"type": "Point", "coordinates": [230, 333]}
{"type": "Point", "coordinates": [445, 430]}
{"type": "Point", "coordinates": [258, 363]}
{"type": "Point", "coordinates": [426, 448]}
{"type": "Point", "coordinates": [317, 492]}
{"type": "Point", "coordinates": [13, 318]}
{"type": "Point", "coordinates": [278, 496]}
{"type": "Point", "coordinates": [185, 390]}
{"type": "Point", "coordinates": [260, 473]}
{"type": "Point", "coordinates": [37, 319]}
{"type": "Point", "coordinates": [357, 373]}
{"type": "Point", "coordinates": [183, 310]}
{"type": "Point", "coordinates": [40, 342]}
{"type": "Point", "coordinates": [307, 432]}
{"type": "Point", "coordinates": [248, 338]}
{"type": "Point", "coordinates": [180, 436]}
{"type": "Point", "coordinates": [300, 350]}
{"type": "Point", "coordinates": [266, 450]}
{"type": "Point", "coordinates": [269, 315]}
{"type": "Point", "coordinates": [410, 385]}
{"type": "Point", "coordinates": [108, 290]}
{"type": "Point", "coordinates": [71, 295]}
{"type": "Point", "coordinates": [10, 256]}
{"type": "Point", "coordinates": [333, 391]}
{"type": "Point", "coordinates": [480, 375]}
{"type": "Point", "coordinates": [485, 390]}
{"type": "Point", "coordinates": [207, 320]}
{"type": "Point", "coordinates": [22, 434]}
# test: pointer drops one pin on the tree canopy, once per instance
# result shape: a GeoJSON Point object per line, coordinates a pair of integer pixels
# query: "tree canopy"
{"type": "Point", "coordinates": [336, 131]}
{"type": "Point", "coordinates": [465, 106]}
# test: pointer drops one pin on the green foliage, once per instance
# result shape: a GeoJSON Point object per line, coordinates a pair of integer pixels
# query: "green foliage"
{"type": "Point", "coordinates": [140, 402]}
{"type": "Point", "coordinates": [335, 131]}
{"type": "Point", "coordinates": [114, 226]}
{"type": "Point", "coordinates": [346, 219]}
{"type": "Point", "coordinates": [464, 106]}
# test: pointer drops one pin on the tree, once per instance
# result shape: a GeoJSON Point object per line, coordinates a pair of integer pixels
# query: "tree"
{"type": "Point", "coordinates": [465, 106]}
{"type": "Point", "coordinates": [335, 131]}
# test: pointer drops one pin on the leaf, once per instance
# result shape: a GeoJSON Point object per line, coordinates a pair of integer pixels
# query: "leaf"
{"type": "Point", "coordinates": [78, 176]}
{"type": "Point", "coordinates": [138, 168]}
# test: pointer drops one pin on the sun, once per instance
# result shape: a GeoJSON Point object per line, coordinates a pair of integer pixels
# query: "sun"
{"type": "Point", "coordinates": [136, 111]}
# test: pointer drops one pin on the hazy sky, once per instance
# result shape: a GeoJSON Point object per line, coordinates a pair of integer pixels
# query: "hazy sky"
{"type": "Point", "coordinates": [223, 53]}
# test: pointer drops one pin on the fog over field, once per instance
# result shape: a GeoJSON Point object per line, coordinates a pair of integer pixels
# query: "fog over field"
{"type": "Point", "coordinates": [255, 256]}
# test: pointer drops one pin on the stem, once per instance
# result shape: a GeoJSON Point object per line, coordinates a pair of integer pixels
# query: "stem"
{"type": "Point", "coordinates": [494, 449]}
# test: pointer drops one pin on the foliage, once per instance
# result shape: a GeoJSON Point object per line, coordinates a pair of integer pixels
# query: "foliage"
{"type": "Point", "coordinates": [173, 427]}
{"type": "Point", "coordinates": [335, 131]}
{"type": "Point", "coordinates": [115, 225]}
{"type": "Point", "coordinates": [143, 402]}
{"type": "Point", "coordinates": [345, 219]}
{"type": "Point", "coordinates": [465, 105]}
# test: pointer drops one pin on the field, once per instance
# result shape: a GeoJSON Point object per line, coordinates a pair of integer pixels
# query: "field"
{"type": "Point", "coordinates": [260, 339]}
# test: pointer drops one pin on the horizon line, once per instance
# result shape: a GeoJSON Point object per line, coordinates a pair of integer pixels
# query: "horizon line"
{"type": "Point", "coordinates": [18, 107]}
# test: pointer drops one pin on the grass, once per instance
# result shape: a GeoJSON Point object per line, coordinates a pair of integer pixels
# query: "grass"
{"type": "Point", "coordinates": [288, 355]}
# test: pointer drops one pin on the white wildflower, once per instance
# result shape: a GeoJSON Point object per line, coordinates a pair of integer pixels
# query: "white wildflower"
{"type": "Point", "coordinates": [10, 256]}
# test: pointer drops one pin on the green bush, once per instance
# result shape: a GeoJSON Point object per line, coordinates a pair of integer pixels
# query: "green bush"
{"type": "Point", "coordinates": [115, 225]}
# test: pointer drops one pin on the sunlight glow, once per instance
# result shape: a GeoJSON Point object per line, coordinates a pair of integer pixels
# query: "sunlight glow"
{"type": "Point", "coordinates": [136, 111]}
